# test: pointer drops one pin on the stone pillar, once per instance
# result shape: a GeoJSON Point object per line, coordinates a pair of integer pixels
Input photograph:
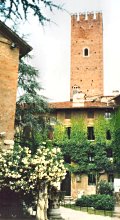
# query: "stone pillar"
{"type": "Point", "coordinates": [54, 205]}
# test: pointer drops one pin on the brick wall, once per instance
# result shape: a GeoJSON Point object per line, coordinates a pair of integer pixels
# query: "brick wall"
{"type": "Point", "coordinates": [87, 72]}
{"type": "Point", "coordinates": [9, 59]}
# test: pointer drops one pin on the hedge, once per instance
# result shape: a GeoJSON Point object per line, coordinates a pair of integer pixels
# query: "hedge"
{"type": "Point", "coordinates": [98, 202]}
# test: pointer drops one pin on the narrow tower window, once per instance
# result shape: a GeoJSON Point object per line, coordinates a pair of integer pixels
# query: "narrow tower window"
{"type": "Point", "coordinates": [85, 52]}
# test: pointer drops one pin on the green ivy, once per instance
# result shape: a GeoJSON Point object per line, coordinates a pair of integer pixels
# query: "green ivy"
{"type": "Point", "coordinates": [116, 139]}
{"type": "Point", "coordinates": [78, 147]}
{"type": "Point", "coordinates": [78, 131]}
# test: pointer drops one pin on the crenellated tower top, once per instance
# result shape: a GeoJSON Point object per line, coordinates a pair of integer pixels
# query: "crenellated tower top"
{"type": "Point", "coordinates": [87, 16]}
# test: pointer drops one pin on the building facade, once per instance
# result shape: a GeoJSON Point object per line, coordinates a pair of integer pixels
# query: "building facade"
{"type": "Point", "coordinates": [12, 48]}
{"type": "Point", "coordinates": [87, 100]}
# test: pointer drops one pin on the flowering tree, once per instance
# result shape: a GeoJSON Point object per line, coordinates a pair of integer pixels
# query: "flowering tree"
{"type": "Point", "coordinates": [22, 171]}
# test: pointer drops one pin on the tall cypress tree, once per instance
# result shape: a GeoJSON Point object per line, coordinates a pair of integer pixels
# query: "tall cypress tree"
{"type": "Point", "coordinates": [31, 124]}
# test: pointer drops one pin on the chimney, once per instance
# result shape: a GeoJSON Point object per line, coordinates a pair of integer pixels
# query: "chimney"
{"type": "Point", "coordinates": [115, 92]}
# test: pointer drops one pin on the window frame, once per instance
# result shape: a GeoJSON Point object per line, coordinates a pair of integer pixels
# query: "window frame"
{"type": "Point", "coordinates": [109, 153]}
{"type": "Point", "coordinates": [91, 157]}
{"type": "Point", "coordinates": [110, 178]}
{"type": "Point", "coordinates": [107, 115]}
{"type": "Point", "coordinates": [90, 133]}
{"type": "Point", "coordinates": [67, 114]}
{"type": "Point", "coordinates": [92, 179]}
{"type": "Point", "coordinates": [68, 132]}
{"type": "Point", "coordinates": [90, 114]}
{"type": "Point", "coordinates": [108, 135]}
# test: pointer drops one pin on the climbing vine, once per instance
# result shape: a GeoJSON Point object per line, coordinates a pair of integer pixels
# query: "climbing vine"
{"type": "Point", "coordinates": [84, 154]}
{"type": "Point", "coordinates": [116, 139]}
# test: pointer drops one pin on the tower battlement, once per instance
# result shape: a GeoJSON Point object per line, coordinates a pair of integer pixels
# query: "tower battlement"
{"type": "Point", "coordinates": [87, 16]}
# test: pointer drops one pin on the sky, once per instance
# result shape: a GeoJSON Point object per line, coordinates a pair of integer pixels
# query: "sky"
{"type": "Point", "coordinates": [51, 46]}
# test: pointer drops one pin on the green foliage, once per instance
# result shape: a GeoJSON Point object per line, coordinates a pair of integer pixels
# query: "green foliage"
{"type": "Point", "coordinates": [99, 202]}
{"type": "Point", "coordinates": [59, 133]}
{"type": "Point", "coordinates": [105, 188]}
{"type": "Point", "coordinates": [77, 136]}
{"type": "Point", "coordinates": [78, 131]}
{"type": "Point", "coordinates": [87, 201]}
{"type": "Point", "coordinates": [83, 201]}
{"type": "Point", "coordinates": [105, 202]}
{"type": "Point", "coordinates": [101, 127]}
{"type": "Point", "coordinates": [27, 78]}
{"type": "Point", "coordinates": [31, 107]}
{"type": "Point", "coordinates": [79, 149]}
{"type": "Point", "coordinates": [101, 160]}
{"type": "Point", "coordinates": [116, 139]}
{"type": "Point", "coordinates": [14, 9]}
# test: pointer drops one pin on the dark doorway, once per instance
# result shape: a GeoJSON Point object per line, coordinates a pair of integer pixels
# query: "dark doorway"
{"type": "Point", "coordinates": [66, 185]}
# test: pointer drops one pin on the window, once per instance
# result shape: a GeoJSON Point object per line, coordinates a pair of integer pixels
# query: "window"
{"type": "Point", "coordinates": [111, 178]}
{"type": "Point", "coordinates": [85, 52]}
{"type": "Point", "coordinates": [90, 133]}
{"type": "Point", "coordinates": [108, 135]}
{"type": "Point", "coordinates": [67, 114]}
{"type": "Point", "coordinates": [90, 114]}
{"type": "Point", "coordinates": [107, 115]}
{"type": "Point", "coordinates": [68, 130]}
{"type": "Point", "coordinates": [91, 179]}
{"type": "Point", "coordinates": [75, 89]}
{"type": "Point", "coordinates": [53, 121]}
{"type": "Point", "coordinates": [91, 157]}
{"type": "Point", "coordinates": [109, 153]}
{"type": "Point", "coordinates": [67, 159]}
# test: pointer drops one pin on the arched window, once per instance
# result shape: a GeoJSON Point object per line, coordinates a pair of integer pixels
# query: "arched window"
{"type": "Point", "coordinates": [85, 52]}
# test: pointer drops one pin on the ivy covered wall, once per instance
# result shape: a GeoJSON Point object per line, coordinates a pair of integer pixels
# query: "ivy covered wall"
{"type": "Point", "coordinates": [87, 155]}
{"type": "Point", "coordinates": [91, 146]}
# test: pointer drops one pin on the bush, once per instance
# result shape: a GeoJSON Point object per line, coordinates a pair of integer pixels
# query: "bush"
{"type": "Point", "coordinates": [104, 202]}
{"type": "Point", "coordinates": [99, 202]}
{"type": "Point", "coordinates": [82, 202]}
{"type": "Point", "coordinates": [86, 201]}
{"type": "Point", "coordinates": [105, 188]}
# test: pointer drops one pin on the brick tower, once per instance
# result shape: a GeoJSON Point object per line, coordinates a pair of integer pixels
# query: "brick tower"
{"type": "Point", "coordinates": [86, 54]}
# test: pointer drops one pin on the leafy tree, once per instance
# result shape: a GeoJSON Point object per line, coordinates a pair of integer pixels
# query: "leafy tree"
{"type": "Point", "coordinates": [21, 171]}
{"type": "Point", "coordinates": [31, 124]}
{"type": "Point", "coordinates": [12, 9]}
{"type": "Point", "coordinates": [105, 188]}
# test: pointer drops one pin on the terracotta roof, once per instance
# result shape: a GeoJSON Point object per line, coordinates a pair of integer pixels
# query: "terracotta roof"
{"type": "Point", "coordinates": [86, 104]}
{"type": "Point", "coordinates": [11, 35]}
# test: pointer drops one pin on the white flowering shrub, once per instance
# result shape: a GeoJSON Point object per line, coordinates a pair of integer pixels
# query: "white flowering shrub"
{"type": "Point", "coordinates": [22, 171]}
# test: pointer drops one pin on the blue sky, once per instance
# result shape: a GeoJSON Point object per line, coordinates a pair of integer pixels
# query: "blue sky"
{"type": "Point", "coordinates": [51, 46]}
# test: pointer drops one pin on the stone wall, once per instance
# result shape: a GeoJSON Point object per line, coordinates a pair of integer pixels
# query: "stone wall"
{"type": "Point", "coordinates": [79, 185]}
{"type": "Point", "coordinates": [9, 58]}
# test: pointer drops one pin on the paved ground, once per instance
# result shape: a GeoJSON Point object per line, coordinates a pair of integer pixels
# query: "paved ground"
{"type": "Point", "coordinates": [69, 214]}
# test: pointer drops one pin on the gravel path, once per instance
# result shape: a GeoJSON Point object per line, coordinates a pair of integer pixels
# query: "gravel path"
{"type": "Point", "coordinates": [69, 214]}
